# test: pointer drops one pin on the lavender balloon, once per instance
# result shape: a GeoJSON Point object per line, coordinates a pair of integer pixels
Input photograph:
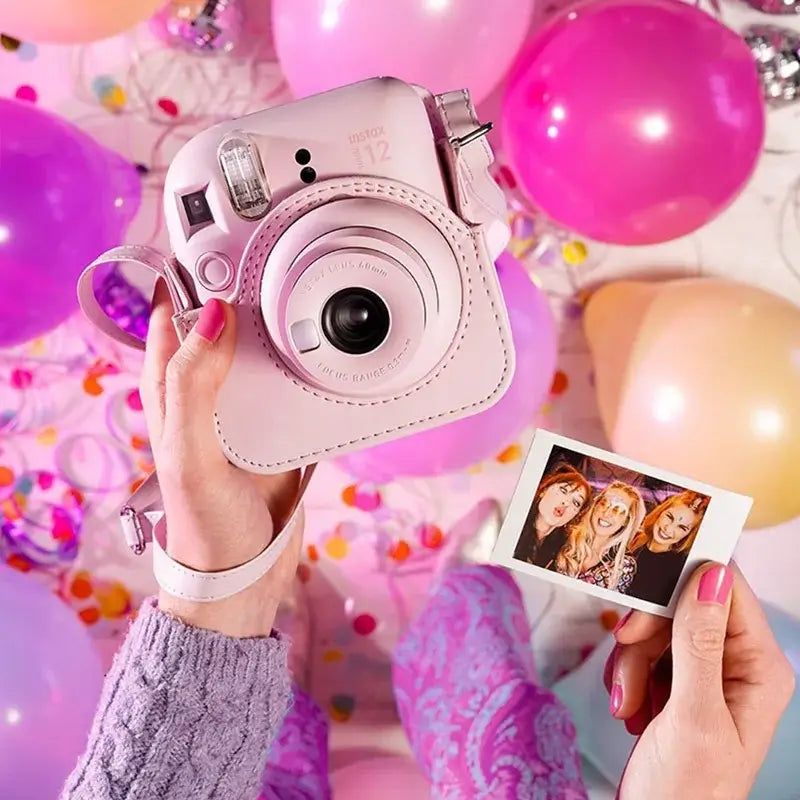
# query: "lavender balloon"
{"type": "Point", "coordinates": [63, 200]}
{"type": "Point", "coordinates": [468, 441]}
{"type": "Point", "coordinates": [50, 680]}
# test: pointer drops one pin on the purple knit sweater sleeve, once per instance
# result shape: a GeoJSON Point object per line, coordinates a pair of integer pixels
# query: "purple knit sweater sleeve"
{"type": "Point", "coordinates": [185, 714]}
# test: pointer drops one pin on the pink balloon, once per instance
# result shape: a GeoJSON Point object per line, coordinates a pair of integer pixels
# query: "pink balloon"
{"type": "Point", "coordinates": [468, 441]}
{"type": "Point", "coordinates": [438, 44]}
{"type": "Point", "coordinates": [387, 777]}
{"type": "Point", "coordinates": [634, 121]}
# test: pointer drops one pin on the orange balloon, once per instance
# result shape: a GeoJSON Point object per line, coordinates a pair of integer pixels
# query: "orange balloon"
{"type": "Point", "coordinates": [702, 377]}
{"type": "Point", "coordinates": [72, 21]}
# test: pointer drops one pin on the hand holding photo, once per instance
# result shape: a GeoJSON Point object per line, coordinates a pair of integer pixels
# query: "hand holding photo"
{"type": "Point", "coordinates": [612, 527]}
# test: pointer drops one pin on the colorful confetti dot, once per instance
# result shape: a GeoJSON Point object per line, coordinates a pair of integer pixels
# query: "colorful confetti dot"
{"type": "Point", "coordinates": [114, 601]}
{"type": "Point", "coordinates": [9, 43]}
{"type": "Point", "coordinates": [47, 436]}
{"type": "Point", "coordinates": [332, 656]}
{"type": "Point", "coordinates": [367, 499]}
{"type": "Point", "coordinates": [364, 624]}
{"type": "Point", "coordinates": [431, 536]}
{"type": "Point", "coordinates": [92, 386]}
{"type": "Point", "coordinates": [303, 573]}
{"type": "Point", "coordinates": [139, 443]}
{"type": "Point", "coordinates": [134, 400]}
{"type": "Point", "coordinates": [608, 619]}
{"type": "Point", "coordinates": [114, 99]}
{"type": "Point", "coordinates": [400, 550]}
{"type": "Point", "coordinates": [168, 106]}
{"type": "Point", "coordinates": [574, 253]}
{"type": "Point", "coordinates": [135, 485]}
{"type": "Point", "coordinates": [27, 93]}
{"type": "Point", "coordinates": [89, 616]}
{"type": "Point", "coordinates": [511, 453]}
{"type": "Point", "coordinates": [560, 383]}
{"type": "Point", "coordinates": [349, 495]}
{"type": "Point", "coordinates": [21, 378]}
{"type": "Point", "coordinates": [27, 51]}
{"type": "Point", "coordinates": [313, 553]}
{"type": "Point", "coordinates": [337, 548]}
{"type": "Point", "coordinates": [341, 707]}
{"type": "Point", "coordinates": [81, 587]}
{"type": "Point", "coordinates": [18, 562]}
{"type": "Point", "coordinates": [6, 476]}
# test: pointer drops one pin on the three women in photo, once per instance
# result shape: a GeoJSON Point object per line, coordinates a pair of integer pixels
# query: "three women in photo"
{"type": "Point", "coordinates": [609, 538]}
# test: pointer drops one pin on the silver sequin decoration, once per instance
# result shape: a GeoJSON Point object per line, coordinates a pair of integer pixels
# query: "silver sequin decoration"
{"type": "Point", "coordinates": [777, 54]}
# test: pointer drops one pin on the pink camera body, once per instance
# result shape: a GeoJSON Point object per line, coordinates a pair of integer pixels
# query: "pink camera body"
{"type": "Point", "coordinates": [354, 232]}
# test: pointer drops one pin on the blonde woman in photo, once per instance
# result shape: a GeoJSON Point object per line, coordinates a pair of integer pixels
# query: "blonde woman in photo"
{"type": "Point", "coordinates": [595, 551]}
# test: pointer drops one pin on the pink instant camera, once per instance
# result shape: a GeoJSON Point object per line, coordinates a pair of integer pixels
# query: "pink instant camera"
{"type": "Point", "coordinates": [355, 233]}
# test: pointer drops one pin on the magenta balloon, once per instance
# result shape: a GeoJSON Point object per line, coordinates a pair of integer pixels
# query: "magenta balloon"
{"type": "Point", "coordinates": [438, 44]}
{"type": "Point", "coordinates": [50, 681]}
{"type": "Point", "coordinates": [468, 441]}
{"type": "Point", "coordinates": [633, 121]}
{"type": "Point", "coordinates": [63, 200]}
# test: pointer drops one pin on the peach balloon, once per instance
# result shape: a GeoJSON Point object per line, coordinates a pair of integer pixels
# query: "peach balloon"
{"type": "Point", "coordinates": [702, 377]}
{"type": "Point", "coordinates": [72, 21]}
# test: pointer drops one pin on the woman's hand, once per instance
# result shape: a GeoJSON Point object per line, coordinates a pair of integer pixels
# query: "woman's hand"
{"type": "Point", "coordinates": [706, 710]}
{"type": "Point", "coordinates": [218, 516]}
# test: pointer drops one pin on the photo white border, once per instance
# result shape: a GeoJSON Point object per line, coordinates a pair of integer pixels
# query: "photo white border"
{"type": "Point", "coordinates": [716, 539]}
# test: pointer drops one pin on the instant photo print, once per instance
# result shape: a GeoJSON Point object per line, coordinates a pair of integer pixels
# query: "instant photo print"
{"type": "Point", "coordinates": [609, 526]}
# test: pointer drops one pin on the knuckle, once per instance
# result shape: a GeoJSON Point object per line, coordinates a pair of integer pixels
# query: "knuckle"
{"type": "Point", "coordinates": [706, 642]}
{"type": "Point", "coordinates": [179, 372]}
{"type": "Point", "coordinates": [783, 680]}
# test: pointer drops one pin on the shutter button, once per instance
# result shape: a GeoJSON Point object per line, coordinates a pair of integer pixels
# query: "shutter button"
{"type": "Point", "coordinates": [214, 271]}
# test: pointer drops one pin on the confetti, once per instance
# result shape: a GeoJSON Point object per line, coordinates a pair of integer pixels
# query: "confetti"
{"type": "Point", "coordinates": [169, 107]}
{"type": "Point", "coordinates": [332, 656]}
{"type": "Point", "coordinates": [511, 453]}
{"type": "Point", "coordinates": [400, 550]}
{"type": "Point", "coordinates": [560, 383]}
{"type": "Point", "coordinates": [6, 476]}
{"type": "Point", "coordinates": [27, 93]}
{"type": "Point", "coordinates": [431, 536]}
{"type": "Point", "coordinates": [303, 573]}
{"type": "Point", "coordinates": [337, 548]}
{"type": "Point", "coordinates": [608, 619]}
{"type": "Point", "coordinates": [364, 624]}
{"type": "Point", "coordinates": [313, 553]}
{"type": "Point", "coordinates": [341, 707]}
{"type": "Point", "coordinates": [9, 43]}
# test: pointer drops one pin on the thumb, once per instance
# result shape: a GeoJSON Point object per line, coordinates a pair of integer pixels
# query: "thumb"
{"type": "Point", "coordinates": [193, 378]}
{"type": "Point", "coordinates": [698, 635]}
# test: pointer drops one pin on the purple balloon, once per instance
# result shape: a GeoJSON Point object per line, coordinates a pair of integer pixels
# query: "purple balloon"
{"type": "Point", "coordinates": [50, 681]}
{"type": "Point", "coordinates": [63, 200]}
{"type": "Point", "coordinates": [633, 121]}
{"type": "Point", "coordinates": [460, 444]}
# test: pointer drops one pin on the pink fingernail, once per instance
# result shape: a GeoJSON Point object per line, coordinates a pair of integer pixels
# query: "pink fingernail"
{"type": "Point", "coordinates": [715, 585]}
{"type": "Point", "coordinates": [211, 321]}
{"type": "Point", "coordinates": [615, 702]}
{"type": "Point", "coordinates": [621, 624]}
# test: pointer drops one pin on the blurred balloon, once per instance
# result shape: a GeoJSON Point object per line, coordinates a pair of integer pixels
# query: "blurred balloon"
{"type": "Point", "coordinates": [200, 26]}
{"type": "Point", "coordinates": [74, 21]}
{"type": "Point", "coordinates": [634, 121]}
{"type": "Point", "coordinates": [702, 376]}
{"type": "Point", "coordinates": [438, 44]}
{"type": "Point", "coordinates": [467, 441]}
{"type": "Point", "coordinates": [64, 200]}
{"type": "Point", "coordinates": [50, 680]}
{"type": "Point", "coordinates": [606, 744]}
{"type": "Point", "coordinates": [388, 777]}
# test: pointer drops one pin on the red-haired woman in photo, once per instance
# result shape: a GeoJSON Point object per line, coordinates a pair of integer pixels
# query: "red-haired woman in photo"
{"type": "Point", "coordinates": [561, 497]}
{"type": "Point", "coordinates": [663, 543]}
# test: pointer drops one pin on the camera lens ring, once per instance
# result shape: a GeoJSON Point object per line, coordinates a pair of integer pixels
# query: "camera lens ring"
{"type": "Point", "coordinates": [355, 320]}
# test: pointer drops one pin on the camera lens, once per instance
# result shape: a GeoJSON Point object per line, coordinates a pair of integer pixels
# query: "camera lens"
{"type": "Point", "coordinates": [355, 320]}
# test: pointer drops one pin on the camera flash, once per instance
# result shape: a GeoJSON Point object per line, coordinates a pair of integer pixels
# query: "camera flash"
{"type": "Point", "coordinates": [244, 173]}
